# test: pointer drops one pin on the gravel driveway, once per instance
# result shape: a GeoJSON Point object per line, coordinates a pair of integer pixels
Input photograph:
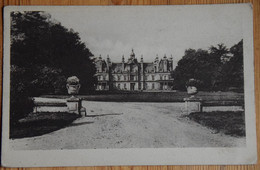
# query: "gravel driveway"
{"type": "Point", "coordinates": [130, 125]}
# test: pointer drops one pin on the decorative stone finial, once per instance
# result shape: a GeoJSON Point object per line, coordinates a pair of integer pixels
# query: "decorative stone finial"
{"type": "Point", "coordinates": [123, 59]}
{"type": "Point", "coordinates": [156, 58]}
{"type": "Point", "coordinates": [132, 54]}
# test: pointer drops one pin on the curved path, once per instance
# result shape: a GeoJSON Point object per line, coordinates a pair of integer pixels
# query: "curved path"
{"type": "Point", "coordinates": [130, 125]}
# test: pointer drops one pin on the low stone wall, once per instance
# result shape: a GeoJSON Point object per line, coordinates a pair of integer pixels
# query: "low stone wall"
{"type": "Point", "coordinates": [222, 108]}
{"type": "Point", "coordinates": [54, 108]}
{"type": "Point", "coordinates": [70, 105]}
{"type": "Point", "coordinates": [49, 105]}
{"type": "Point", "coordinates": [197, 105]}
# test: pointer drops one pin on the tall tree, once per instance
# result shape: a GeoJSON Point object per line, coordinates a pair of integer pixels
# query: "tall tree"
{"type": "Point", "coordinates": [196, 64]}
{"type": "Point", "coordinates": [43, 54]}
{"type": "Point", "coordinates": [39, 42]}
{"type": "Point", "coordinates": [218, 68]}
{"type": "Point", "coordinates": [219, 55]}
{"type": "Point", "coordinates": [233, 70]}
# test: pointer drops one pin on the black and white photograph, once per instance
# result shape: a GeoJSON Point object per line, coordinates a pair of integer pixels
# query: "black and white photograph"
{"type": "Point", "coordinates": [128, 85]}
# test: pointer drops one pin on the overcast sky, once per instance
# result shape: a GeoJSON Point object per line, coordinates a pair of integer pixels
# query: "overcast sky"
{"type": "Point", "coordinates": [152, 30]}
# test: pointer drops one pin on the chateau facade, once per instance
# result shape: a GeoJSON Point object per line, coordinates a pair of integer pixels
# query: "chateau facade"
{"type": "Point", "coordinates": [133, 75]}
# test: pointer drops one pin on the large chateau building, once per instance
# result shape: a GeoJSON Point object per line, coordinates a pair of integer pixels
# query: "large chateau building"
{"type": "Point", "coordinates": [133, 75]}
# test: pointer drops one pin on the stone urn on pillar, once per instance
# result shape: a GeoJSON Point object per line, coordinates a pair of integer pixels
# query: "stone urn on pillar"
{"type": "Point", "coordinates": [73, 103]}
{"type": "Point", "coordinates": [192, 103]}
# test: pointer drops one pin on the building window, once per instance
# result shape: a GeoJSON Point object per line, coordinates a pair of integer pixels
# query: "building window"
{"type": "Point", "coordinates": [125, 78]}
{"type": "Point", "coordinates": [132, 77]}
{"type": "Point", "coordinates": [118, 78]}
{"type": "Point", "coordinates": [124, 86]}
{"type": "Point", "coordinates": [118, 86]}
{"type": "Point", "coordinates": [153, 86]}
{"type": "Point", "coordinates": [164, 77]}
{"type": "Point", "coordinates": [160, 77]}
{"type": "Point", "coordinates": [145, 77]}
{"type": "Point", "coordinates": [169, 77]}
{"type": "Point", "coordinates": [152, 77]}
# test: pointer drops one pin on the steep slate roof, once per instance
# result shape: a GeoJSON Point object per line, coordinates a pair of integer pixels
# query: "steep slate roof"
{"type": "Point", "coordinates": [116, 67]}
{"type": "Point", "coordinates": [104, 64]}
{"type": "Point", "coordinates": [132, 61]}
{"type": "Point", "coordinates": [161, 65]}
{"type": "Point", "coordinates": [148, 67]}
{"type": "Point", "coordinates": [101, 64]}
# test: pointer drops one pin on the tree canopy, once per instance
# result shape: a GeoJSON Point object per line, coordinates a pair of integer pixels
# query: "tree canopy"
{"type": "Point", "coordinates": [43, 55]}
{"type": "Point", "coordinates": [49, 53]}
{"type": "Point", "coordinates": [217, 68]}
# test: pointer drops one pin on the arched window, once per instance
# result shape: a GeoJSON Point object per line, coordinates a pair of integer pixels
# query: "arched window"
{"type": "Point", "coordinates": [118, 86]}
{"type": "Point", "coordinates": [152, 77]}
{"type": "Point", "coordinates": [153, 86]}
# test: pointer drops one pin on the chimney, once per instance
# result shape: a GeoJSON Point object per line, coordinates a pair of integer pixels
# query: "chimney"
{"type": "Point", "coordinates": [165, 62]}
{"type": "Point", "coordinates": [123, 63]}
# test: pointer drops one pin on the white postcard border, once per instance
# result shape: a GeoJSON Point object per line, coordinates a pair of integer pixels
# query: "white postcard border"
{"type": "Point", "coordinates": [142, 156]}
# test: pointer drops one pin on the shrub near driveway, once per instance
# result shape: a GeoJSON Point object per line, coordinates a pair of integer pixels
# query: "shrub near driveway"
{"type": "Point", "coordinates": [36, 124]}
{"type": "Point", "coordinates": [229, 123]}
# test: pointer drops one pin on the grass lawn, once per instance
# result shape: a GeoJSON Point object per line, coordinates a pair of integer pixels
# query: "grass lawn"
{"type": "Point", "coordinates": [36, 124]}
{"type": "Point", "coordinates": [229, 123]}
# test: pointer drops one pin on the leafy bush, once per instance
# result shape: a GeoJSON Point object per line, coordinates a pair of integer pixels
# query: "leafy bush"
{"type": "Point", "coordinates": [20, 107]}
{"type": "Point", "coordinates": [36, 124]}
{"type": "Point", "coordinates": [20, 103]}
{"type": "Point", "coordinates": [227, 122]}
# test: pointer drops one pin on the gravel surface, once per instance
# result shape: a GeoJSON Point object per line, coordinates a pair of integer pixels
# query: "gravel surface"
{"type": "Point", "coordinates": [130, 125]}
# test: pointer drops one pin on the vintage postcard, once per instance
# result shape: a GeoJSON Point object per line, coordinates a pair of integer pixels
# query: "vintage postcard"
{"type": "Point", "coordinates": [128, 85]}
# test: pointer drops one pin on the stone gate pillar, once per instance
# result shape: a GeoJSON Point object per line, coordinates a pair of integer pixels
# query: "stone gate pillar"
{"type": "Point", "coordinates": [192, 104]}
{"type": "Point", "coordinates": [74, 105]}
